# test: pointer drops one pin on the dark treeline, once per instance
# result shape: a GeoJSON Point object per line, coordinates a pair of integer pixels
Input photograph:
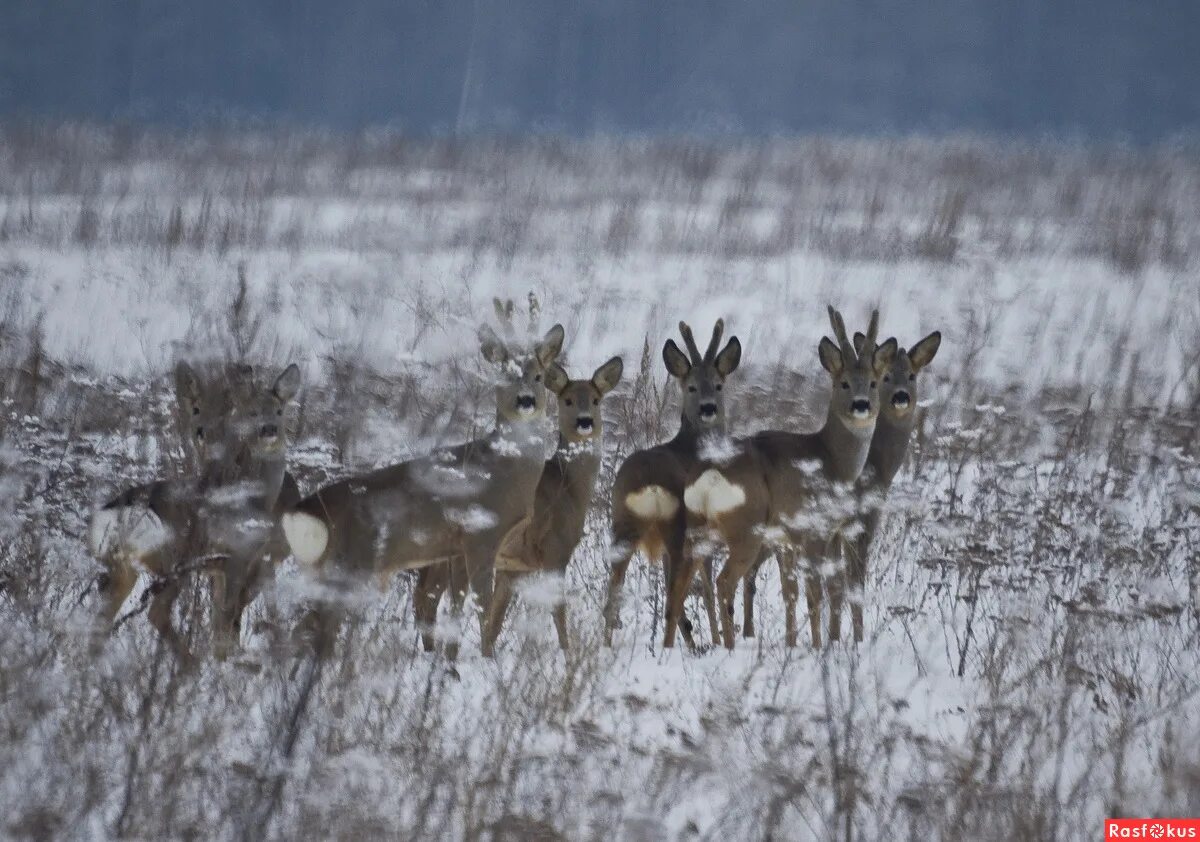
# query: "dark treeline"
{"type": "Point", "coordinates": [1096, 68]}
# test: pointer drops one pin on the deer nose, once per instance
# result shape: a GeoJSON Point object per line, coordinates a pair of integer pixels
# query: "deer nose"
{"type": "Point", "coordinates": [269, 431]}
{"type": "Point", "coordinates": [860, 407]}
{"type": "Point", "coordinates": [584, 424]}
{"type": "Point", "coordinates": [708, 410]}
{"type": "Point", "coordinates": [526, 401]}
{"type": "Point", "coordinates": [900, 400]}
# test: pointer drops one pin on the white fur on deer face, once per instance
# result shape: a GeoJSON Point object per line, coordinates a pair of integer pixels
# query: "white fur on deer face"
{"type": "Point", "coordinates": [520, 373]}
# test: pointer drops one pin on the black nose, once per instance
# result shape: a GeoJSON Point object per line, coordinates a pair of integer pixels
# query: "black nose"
{"type": "Point", "coordinates": [526, 402]}
{"type": "Point", "coordinates": [860, 405]}
{"type": "Point", "coordinates": [901, 400]}
{"type": "Point", "coordinates": [708, 410]}
{"type": "Point", "coordinates": [583, 423]}
{"type": "Point", "coordinates": [269, 430]}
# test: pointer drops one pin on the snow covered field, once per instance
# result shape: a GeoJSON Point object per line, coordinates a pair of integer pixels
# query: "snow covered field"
{"type": "Point", "coordinates": [1033, 608]}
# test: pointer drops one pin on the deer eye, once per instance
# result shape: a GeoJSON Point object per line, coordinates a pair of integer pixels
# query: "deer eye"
{"type": "Point", "coordinates": [279, 412]}
{"type": "Point", "coordinates": [570, 402]}
{"type": "Point", "coordinates": [199, 432]}
{"type": "Point", "coordinates": [195, 410]}
{"type": "Point", "coordinates": [595, 401]}
{"type": "Point", "coordinates": [537, 378]}
{"type": "Point", "coordinates": [719, 387]}
{"type": "Point", "coordinates": [912, 377]}
{"type": "Point", "coordinates": [845, 384]}
{"type": "Point", "coordinates": [873, 384]}
{"type": "Point", "coordinates": [887, 378]}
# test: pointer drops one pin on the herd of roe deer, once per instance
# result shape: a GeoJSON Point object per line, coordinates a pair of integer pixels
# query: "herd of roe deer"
{"type": "Point", "coordinates": [479, 516]}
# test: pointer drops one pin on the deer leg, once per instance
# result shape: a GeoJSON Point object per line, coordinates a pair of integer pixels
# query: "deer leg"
{"type": "Point", "coordinates": [681, 568]}
{"type": "Point", "coordinates": [743, 555]}
{"type": "Point", "coordinates": [748, 594]}
{"type": "Point", "coordinates": [501, 599]}
{"type": "Point", "coordinates": [116, 583]}
{"type": "Point", "coordinates": [790, 583]}
{"type": "Point", "coordinates": [813, 593]}
{"type": "Point", "coordinates": [459, 580]}
{"type": "Point", "coordinates": [858, 567]}
{"type": "Point", "coordinates": [219, 612]}
{"type": "Point", "coordinates": [160, 617]}
{"type": "Point", "coordinates": [623, 547]}
{"type": "Point", "coordinates": [710, 604]}
{"type": "Point", "coordinates": [427, 595]}
{"type": "Point", "coordinates": [836, 585]}
{"type": "Point", "coordinates": [560, 625]}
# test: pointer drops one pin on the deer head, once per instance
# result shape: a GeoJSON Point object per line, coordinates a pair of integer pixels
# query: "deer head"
{"type": "Point", "coordinates": [855, 375]}
{"type": "Point", "coordinates": [579, 418]}
{"type": "Point", "coordinates": [520, 365]}
{"type": "Point", "coordinates": [898, 389]}
{"type": "Point", "coordinates": [702, 378]}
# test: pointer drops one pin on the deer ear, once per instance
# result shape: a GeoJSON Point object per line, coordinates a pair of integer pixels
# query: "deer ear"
{"type": "Point", "coordinates": [730, 358]}
{"type": "Point", "coordinates": [922, 354]}
{"type": "Point", "coordinates": [677, 362]}
{"type": "Point", "coordinates": [831, 357]}
{"type": "Point", "coordinates": [884, 356]}
{"type": "Point", "coordinates": [551, 346]}
{"type": "Point", "coordinates": [287, 384]}
{"type": "Point", "coordinates": [187, 384]}
{"type": "Point", "coordinates": [556, 378]}
{"type": "Point", "coordinates": [859, 341]}
{"type": "Point", "coordinates": [491, 346]}
{"type": "Point", "coordinates": [608, 375]}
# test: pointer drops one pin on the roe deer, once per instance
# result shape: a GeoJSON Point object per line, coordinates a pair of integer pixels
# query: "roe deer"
{"type": "Point", "coordinates": [809, 476]}
{"type": "Point", "coordinates": [546, 540]}
{"type": "Point", "coordinates": [236, 439]}
{"type": "Point", "coordinates": [457, 502]}
{"type": "Point", "coordinates": [889, 446]}
{"type": "Point", "coordinates": [648, 492]}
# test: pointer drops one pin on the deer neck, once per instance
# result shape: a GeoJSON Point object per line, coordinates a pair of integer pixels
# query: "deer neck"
{"type": "Point", "coordinates": [847, 447]}
{"type": "Point", "coordinates": [889, 446]}
{"type": "Point", "coordinates": [579, 463]}
{"type": "Point", "coordinates": [261, 476]}
{"type": "Point", "coordinates": [691, 436]}
{"type": "Point", "coordinates": [526, 436]}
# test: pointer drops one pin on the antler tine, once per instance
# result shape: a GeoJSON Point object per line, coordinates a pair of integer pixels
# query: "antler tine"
{"type": "Point", "coordinates": [714, 344]}
{"type": "Point", "coordinates": [872, 334]}
{"type": "Point", "coordinates": [535, 312]}
{"type": "Point", "coordinates": [690, 341]}
{"type": "Point", "coordinates": [504, 315]}
{"type": "Point", "coordinates": [839, 332]}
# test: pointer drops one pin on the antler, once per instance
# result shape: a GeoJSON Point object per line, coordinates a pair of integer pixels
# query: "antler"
{"type": "Point", "coordinates": [690, 341]}
{"type": "Point", "coordinates": [839, 332]}
{"type": "Point", "coordinates": [714, 344]}
{"type": "Point", "coordinates": [535, 313]}
{"type": "Point", "coordinates": [872, 333]}
{"type": "Point", "coordinates": [504, 315]}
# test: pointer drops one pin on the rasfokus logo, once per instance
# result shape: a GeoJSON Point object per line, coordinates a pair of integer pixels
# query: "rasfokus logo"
{"type": "Point", "coordinates": [1152, 829]}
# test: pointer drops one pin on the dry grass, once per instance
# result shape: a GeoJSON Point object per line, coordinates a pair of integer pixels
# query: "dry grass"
{"type": "Point", "coordinates": [1033, 606]}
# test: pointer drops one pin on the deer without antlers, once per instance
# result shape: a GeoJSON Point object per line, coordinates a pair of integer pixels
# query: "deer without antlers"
{"type": "Point", "coordinates": [545, 541]}
{"type": "Point", "coordinates": [226, 514]}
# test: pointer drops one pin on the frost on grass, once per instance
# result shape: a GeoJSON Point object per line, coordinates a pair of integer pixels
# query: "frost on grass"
{"type": "Point", "coordinates": [1031, 655]}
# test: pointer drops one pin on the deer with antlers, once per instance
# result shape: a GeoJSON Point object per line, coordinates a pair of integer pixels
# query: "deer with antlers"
{"type": "Point", "coordinates": [648, 497]}
{"type": "Point", "coordinates": [456, 503]}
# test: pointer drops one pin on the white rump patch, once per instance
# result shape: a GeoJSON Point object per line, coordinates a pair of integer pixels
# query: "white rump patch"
{"type": "Point", "coordinates": [713, 495]}
{"type": "Point", "coordinates": [307, 536]}
{"type": "Point", "coordinates": [131, 531]}
{"type": "Point", "coordinates": [652, 503]}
